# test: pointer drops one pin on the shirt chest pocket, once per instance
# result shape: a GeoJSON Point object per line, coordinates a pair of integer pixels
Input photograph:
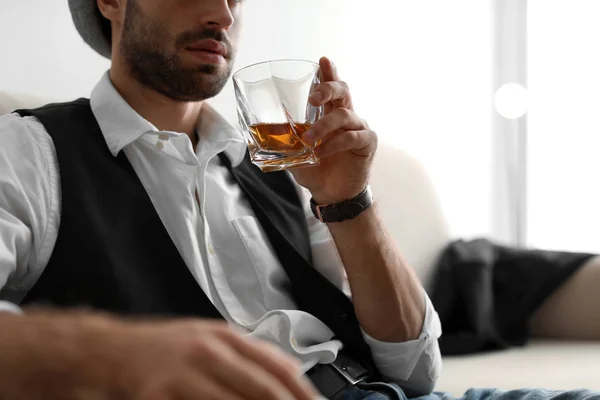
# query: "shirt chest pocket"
{"type": "Point", "coordinates": [272, 278]}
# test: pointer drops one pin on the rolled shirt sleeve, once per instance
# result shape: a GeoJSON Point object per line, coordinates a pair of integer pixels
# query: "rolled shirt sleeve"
{"type": "Point", "coordinates": [414, 365]}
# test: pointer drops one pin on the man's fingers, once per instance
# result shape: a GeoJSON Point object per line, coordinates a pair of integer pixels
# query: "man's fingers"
{"type": "Point", "coordinates": [339, 119]}
{"type": "Point", "coordinates": [360, 142]}
{"type": "Point", "coordinates": [329, 91]}
{"type": "Point", "coordinates": [240, 374]}
{"type": "Point", "coordinates": [279, 364]}
{"type": "Point", "coordinates": [328, 70]}
{"type": "Point", "coordinates": [342, 98]}
{"type": "Point", "coordinates": [193, 386]}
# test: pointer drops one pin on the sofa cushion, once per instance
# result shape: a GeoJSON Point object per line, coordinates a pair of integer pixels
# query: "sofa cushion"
{"type": "Point", "coordinates": [13, 101]}
{"type": "Point", "coordinates": [557, 365]}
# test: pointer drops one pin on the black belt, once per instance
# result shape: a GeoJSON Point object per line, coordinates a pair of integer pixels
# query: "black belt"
{"type": "Point", "coordinates": [331, 380]}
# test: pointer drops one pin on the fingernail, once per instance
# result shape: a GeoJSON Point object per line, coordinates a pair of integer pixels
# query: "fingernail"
{"type": "Point", "coordinates": [316, 97]}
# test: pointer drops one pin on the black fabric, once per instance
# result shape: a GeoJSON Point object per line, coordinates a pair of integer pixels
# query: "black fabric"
{"type": "Point", "coordinates": [114, 254]}
{"type": "Point", "coordinates": [485, 293]}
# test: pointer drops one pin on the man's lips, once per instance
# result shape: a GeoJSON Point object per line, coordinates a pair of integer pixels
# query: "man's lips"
{"type": "Point", "coordinates": [210, 46]}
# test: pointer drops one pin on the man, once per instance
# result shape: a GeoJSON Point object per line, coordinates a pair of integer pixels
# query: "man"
{"type": "Point", "coordinates": [142, 201]}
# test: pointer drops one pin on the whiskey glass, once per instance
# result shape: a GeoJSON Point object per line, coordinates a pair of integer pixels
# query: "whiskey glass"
{"type": "Point", "coordinates": [274, 112]}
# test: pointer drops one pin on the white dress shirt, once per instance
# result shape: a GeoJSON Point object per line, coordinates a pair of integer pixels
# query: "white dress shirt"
{"type": "Point", "coordinates": [218, 236]}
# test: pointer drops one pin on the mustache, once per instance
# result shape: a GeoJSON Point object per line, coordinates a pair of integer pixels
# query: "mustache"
{"type": "Point", "coordinates": [191, 37]}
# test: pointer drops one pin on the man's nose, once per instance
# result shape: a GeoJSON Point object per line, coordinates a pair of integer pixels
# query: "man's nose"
{"type": "Point", "coordinates": [215, 13]}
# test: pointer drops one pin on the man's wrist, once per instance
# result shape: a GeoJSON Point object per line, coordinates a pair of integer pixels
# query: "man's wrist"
{"type": "Point", "coordinates": [345, 210]}
{"type": "Point", "coordinates": [323, 198]}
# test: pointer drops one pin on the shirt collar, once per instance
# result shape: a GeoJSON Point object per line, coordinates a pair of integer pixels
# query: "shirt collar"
{"type": "Point", "coordinates": [213, 128]}
{"type": "Point", "coordinates": [122, 125]}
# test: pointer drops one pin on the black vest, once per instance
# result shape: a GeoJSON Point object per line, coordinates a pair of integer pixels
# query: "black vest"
{"type": "Point", "coordinates": [114, 254]}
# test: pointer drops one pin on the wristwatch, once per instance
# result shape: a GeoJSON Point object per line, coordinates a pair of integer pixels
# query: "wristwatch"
{"type": "Point", "coordinates": [348, 209]}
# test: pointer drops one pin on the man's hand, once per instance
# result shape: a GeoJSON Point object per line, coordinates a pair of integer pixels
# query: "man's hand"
{"type": "Point", "coordinates": [348, 145]}
{"type": "Point", "coordinates": [82, 356]}
{"type": "Point", "coordinates": [387, 295]}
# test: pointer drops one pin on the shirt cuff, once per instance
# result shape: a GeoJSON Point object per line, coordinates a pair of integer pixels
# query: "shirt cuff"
{"type": "Point", "coordinates": [397, 361]}
{"type": "Point", "coordinates": [5, 306]}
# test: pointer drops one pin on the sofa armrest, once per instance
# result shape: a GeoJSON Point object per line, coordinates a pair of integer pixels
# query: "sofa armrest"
{"type": "Point", "coordinates": [410, 208]}
{"type": "Point", "coordinates": [13, 101]}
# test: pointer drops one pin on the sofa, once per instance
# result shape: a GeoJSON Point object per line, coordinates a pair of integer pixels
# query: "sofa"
{"type": "Point", "coordinates": [412, 212]}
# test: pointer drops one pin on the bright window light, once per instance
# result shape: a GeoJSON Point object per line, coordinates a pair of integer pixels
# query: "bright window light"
{"type": "Point", "coordinates": [563, 124]}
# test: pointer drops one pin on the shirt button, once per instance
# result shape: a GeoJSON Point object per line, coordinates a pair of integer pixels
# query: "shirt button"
{"type": "Point", "coordinates": [163, 137]}
{"type": "Point", "coordinates": [294, 342]}
{"type": "Point", "coordinates": [160, 145]}
{"type": "Point", "coordinates": [211, 249]}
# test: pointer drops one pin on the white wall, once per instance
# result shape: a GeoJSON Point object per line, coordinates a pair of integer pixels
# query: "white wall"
{"type": "Point", "coordinates": [420, 72]}
{"type": "Point", "coordinates": [421, 75]}
{"type": "Point", "coordinates": [41, 53]}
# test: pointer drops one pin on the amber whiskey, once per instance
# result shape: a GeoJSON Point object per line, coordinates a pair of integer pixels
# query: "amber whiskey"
{"type": "Point", "coordinates": [284, 145]}
{"type": "Point", "coordinates": [283, 138]}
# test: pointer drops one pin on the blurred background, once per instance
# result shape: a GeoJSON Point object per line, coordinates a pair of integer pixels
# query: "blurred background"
{"type": "Point", "coordinates": [424, 74]}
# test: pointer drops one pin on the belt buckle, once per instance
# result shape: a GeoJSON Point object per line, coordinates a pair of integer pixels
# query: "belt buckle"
{"type": "Point", "coordinates": [345, 366]}
{"type": "Point", "coordinates": [344, 372]}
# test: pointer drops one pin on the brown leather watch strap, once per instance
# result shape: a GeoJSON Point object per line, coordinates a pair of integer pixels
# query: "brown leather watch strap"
{"type": "Point", "coordinates": [348, 209]}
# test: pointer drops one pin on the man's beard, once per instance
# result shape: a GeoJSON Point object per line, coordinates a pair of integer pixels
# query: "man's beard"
{"type": "Point", "coordinates": [162, 71]}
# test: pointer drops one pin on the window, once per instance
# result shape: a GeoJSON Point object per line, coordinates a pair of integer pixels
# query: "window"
{"type": "Point", "coordinates": [564, 125]}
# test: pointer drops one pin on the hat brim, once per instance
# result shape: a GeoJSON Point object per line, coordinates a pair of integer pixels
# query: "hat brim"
{"type": "Point", "coordinates": [88, 21]}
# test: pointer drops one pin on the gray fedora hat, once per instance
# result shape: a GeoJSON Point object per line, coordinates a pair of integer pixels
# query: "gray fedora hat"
{"type": "Point", "coordinates": [91, 25]}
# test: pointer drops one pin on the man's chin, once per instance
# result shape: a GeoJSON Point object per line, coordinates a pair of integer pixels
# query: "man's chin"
{"type": "Point", "coordinates": [202, 90]}
{"type": "Point", "coordinates": [211, 80]}
{"type": "Point", "coordinates": [194, 84]}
